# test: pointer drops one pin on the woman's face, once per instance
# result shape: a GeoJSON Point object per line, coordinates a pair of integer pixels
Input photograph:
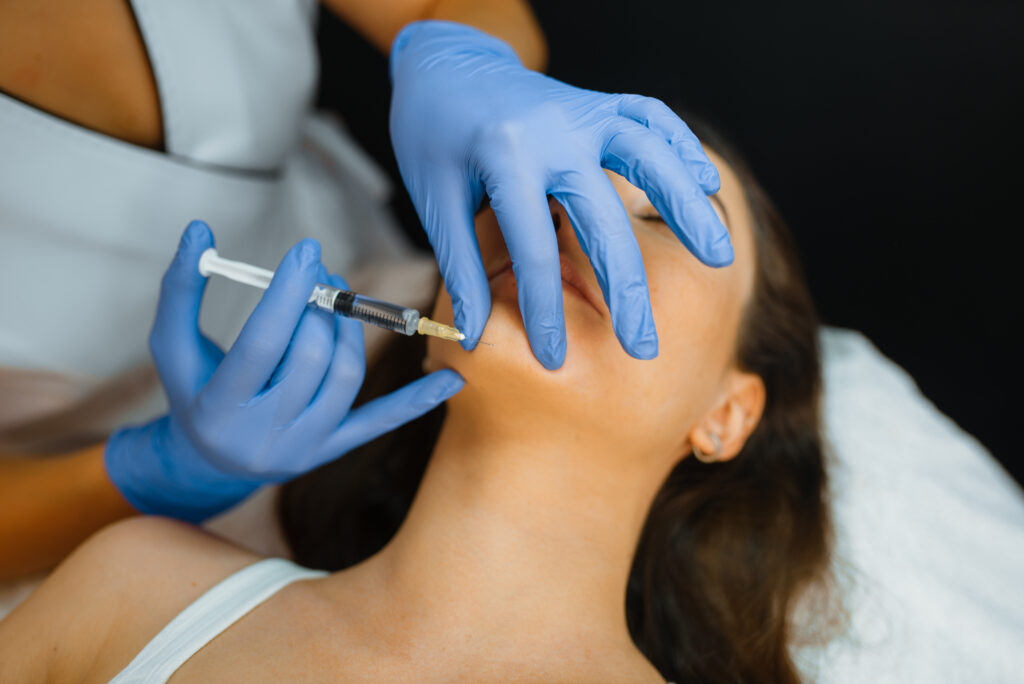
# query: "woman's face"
{"type": "Point", "coordinates": [648, 406]}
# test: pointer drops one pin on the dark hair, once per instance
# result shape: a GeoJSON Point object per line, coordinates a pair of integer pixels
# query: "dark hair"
{"type": "Point", "coordinates": [727, 548]}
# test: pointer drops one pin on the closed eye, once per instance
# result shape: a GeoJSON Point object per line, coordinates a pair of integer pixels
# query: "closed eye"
{"type": "Point", "coordinates": [651, 214]}
{"type": "Point", "coordinates": [652, 217]}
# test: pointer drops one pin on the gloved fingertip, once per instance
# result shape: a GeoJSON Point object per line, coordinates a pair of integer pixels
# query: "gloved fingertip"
{"type": "Point", "coordinates": [645, 347]}
{"type": "Point", "coordinates": [464, 323]}
{"type": "Point", "coordinates": [197, 237]}
{"type": "Point", "coordinates": [434, 389]}
{"type": "Point", "coordinates": [551, 362]}
{"type": "Point", "coordinates": [449, 383]}
{"type": "Point", "coordinates": [196, 230]}
{"type": "Point", "coordinates": [634, 326]}
{"type": "Point", "coordinates": [551, 353]}
{"type": "Point", "coordinates": [710, 181]}
{"type": "Point", "coordinates": [720, 253]}
{"type": "Point", "coordinates": [184, 268]}
{"type": "Point", "coordinates": [308, 252]}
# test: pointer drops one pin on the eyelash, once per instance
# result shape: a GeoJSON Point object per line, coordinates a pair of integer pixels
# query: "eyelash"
{"type": "Point", "coordinates": [651, 217]}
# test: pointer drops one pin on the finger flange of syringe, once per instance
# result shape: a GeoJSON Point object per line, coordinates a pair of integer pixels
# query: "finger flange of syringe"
{"type": "Point", "coordinates": [382, 314]}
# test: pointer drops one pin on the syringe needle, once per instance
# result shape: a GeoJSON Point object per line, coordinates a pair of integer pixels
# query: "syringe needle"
{"type": "Point", "coordinates": [445, 332]}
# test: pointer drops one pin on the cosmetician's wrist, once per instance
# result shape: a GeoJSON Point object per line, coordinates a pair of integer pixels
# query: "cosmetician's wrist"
{"type": "Point", "coordinates": [159, 472]}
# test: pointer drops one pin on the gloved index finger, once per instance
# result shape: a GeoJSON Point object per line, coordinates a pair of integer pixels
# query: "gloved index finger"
{"type": "Point", "coordinates": [660, 119]}
{"type": "Point", "coordinates": [386, 413]}
{"type": "Point", "coordinates": [251, 361]}
{"type": "Point", "coordinates": [645, 160]}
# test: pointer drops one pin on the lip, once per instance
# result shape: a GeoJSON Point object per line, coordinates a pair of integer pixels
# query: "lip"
{"type": "Point", "coordinates": [570, 276]}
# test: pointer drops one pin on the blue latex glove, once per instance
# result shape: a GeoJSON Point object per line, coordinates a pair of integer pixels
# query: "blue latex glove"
{"type": "Point", "coordinates": [468, 118]}
{"type": "Point", "coordinates": [275, 406]}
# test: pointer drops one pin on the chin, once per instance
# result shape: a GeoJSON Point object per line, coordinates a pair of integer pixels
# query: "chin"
{"type": "Point", "coordinates": [502, 349]}
{"type": "Point", "coordinates": [502, 367]}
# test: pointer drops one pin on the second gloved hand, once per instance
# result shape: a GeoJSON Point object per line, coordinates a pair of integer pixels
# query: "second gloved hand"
{"type": "Point", "coordinates": [467, 118]}
{"type": "Point", "coordinates": [277, 405]}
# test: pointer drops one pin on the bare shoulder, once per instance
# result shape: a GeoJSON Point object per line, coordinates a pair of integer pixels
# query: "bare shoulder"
{"type": "Point", "coordinates": [110, 597]}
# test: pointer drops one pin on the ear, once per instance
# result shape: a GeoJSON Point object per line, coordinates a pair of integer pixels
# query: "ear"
{"type": "Point", "coordinates": [732, 417]}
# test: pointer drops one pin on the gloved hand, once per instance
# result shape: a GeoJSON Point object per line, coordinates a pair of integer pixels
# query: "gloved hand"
{"type": "Point", "coordinates": [468, 118]}
{"type": "Point", "coordinates": [275, 406]}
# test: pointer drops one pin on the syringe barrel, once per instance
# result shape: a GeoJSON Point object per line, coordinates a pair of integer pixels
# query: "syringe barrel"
{"type": "Point", "coordinates": [367, 309]}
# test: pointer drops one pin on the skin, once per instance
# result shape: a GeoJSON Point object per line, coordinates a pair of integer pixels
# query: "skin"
{"type": "Point", "coordinates": [36, 535]}
{"type": "Point", "coordinates": [84, 61]}
{"type": "Point", "coordinates": [513, 561]}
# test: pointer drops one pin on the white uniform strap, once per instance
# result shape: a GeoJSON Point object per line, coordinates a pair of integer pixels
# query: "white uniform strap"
{"type": "Point", "coordinates": [208, 616]}
{"type": "Point", "coordinates": [235, 77]}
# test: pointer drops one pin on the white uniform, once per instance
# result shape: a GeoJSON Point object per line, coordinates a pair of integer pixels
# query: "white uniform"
{"type": "Point", "coordinates": [89, 223]}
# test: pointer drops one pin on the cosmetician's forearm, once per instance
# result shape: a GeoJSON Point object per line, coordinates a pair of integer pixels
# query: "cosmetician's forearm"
{"type": "Point", "coordinates": [511, 20]}
{"type": "Point", "coordinates": [50, 504]}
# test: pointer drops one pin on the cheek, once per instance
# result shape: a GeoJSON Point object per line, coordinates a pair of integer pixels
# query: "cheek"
{"type": "Point", "coordinates": [644, 406]}
{"type": "Point", "coordinates": [696, 313]}
{"type": "Point", "coordinates": [599, 390]}
{"type": "Point", "coordinates": [653, 403]}
{"type": "Point", "coordinates": [502, 353]}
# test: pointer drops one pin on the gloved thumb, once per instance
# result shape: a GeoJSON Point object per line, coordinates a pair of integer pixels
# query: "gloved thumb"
{"type": "Point", "coordinates": [175, 342]}
{"type": "Point", "coordinates": [384, 414]}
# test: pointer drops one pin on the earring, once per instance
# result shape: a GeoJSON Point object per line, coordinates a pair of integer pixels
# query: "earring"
{"type": "Point", "coordinates": [714, 455]}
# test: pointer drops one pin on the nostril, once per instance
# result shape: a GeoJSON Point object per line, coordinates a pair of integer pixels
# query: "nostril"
{"type": "Point", "coordinates": [556, 214]}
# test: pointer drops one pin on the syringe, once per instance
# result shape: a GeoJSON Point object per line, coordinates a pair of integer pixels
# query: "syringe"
{"type": "Point", "coordinates": [366, 309]}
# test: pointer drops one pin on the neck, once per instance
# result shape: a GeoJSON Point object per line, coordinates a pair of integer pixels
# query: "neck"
{"type": "Point", "coordinates": [518, 532]}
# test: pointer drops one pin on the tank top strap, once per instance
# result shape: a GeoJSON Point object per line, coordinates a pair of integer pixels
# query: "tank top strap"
{"type": "Point", "coordinates": [208, 616]}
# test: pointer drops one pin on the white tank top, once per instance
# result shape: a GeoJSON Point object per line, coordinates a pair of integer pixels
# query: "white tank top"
{"type": "Point", "coordinates": [89, 223]}
{"type": "Point", "coordinates": [208, 616]}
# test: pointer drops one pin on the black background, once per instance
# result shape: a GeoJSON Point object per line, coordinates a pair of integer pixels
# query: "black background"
{"type": "Point", "coordinates": [887, 132]}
